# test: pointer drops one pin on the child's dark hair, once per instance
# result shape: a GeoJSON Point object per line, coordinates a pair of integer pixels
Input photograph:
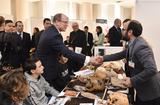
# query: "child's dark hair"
{"type": "Point", "coordinates": [30, 64]}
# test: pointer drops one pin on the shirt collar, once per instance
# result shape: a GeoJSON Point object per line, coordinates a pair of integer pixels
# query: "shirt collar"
{"type": "Point", "coordinates": [19, 33]}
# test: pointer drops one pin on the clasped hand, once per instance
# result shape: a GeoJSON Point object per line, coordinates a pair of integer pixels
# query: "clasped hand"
{"type": "Point", "coordinates": [96, 60]}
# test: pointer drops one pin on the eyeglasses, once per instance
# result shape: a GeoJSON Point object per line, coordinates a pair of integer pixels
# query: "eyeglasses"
{"type": "Point", "coordinates": [64, 21]}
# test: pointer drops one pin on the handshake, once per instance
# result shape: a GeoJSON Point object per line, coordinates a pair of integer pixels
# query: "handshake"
{"type": "Point", "coordinates": [96, 60]}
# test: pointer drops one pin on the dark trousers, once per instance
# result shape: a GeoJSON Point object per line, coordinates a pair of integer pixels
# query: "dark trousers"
{"type": "Point", "coordinates": [88, 51]}
{"type": "Point", "coordinates": [151, 102]}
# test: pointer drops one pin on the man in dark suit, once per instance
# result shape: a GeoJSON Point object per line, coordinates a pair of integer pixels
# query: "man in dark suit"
{"type": "Point", "coordinates": [77, 37]}
{"type": "Point", "coordinates": [51, 44]}
{"type": "Point", "coordinates": [46, 24]}
{"type": "Point", "coordinates": [145, 77]}
{"type": "Point", "coordinates": [24, 41]}
{"type": "Point", "coordinates": [115, 34]}
{"type": "Point", "coordinates": [89, 41]}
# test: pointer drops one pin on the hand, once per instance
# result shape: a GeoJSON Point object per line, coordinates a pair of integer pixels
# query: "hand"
{"type": "Point", "coordinates": [127, 82]}
{"type": "Point", "coordinates": [96, 61]}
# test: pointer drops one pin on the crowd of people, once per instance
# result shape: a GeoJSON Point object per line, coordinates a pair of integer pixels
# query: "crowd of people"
{"type": "Point", "coordinates": [33, 70]}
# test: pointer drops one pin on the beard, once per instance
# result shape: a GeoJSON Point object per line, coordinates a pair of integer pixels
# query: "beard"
{"type": "Point", "coordinates": [125, 37]}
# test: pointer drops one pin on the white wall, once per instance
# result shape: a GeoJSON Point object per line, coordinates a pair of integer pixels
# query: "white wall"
{"type": "Point", "coordinates": [147, 12]}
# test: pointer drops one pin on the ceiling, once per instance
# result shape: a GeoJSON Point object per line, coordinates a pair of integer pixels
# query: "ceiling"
{"type": "Point", "coordinates": [125, 3]}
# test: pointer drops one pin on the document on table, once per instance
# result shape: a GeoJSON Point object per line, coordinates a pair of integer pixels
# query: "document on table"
{"type": "Point", "coordinates": [84, 72]}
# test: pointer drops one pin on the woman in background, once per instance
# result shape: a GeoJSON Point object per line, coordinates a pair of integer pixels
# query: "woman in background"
{"type": "Point", "coordinates": [35, 31]}
{"type": "Point", "coordinates": [100, 35]}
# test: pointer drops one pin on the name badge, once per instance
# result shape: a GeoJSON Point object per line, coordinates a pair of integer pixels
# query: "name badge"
{"type": "Point", "coordinates": [131, 64]}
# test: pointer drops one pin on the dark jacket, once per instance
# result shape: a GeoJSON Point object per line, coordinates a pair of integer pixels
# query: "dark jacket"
{"type": "Point", "coordinates": [49, 47]}
{"type": "Point", "coordinates": [115, 35]}
{"type": "Point", "coordinates": [78, 39]}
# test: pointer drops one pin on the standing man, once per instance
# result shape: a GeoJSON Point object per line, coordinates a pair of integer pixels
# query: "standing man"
{"type": "Point", "coordinates": [115, 34]}
{"type": "Point", "coordinates": [77, 38]}
{"type": "Point", "coordinates": [144, 76]}
{"type": "Point", "coordinates": [46, 24]}
{"type": "Point", "coordinates": [89, 41]}
{"type": "Point", "coordinates": [51, 44]}
{"type": "Point", "coordinates": [25, 41]}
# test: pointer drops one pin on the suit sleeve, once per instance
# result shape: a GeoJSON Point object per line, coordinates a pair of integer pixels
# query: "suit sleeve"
{"type": "Point", "coordinates": [116, 56]}
{"type": "Point", "coordinates": [60, 47]}
{"type": "Point", "coordinates": [145, 56]}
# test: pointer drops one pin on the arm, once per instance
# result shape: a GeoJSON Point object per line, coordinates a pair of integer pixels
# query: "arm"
{"type": "Point", "coordinates": [59, 46]}
{"type": "Point", "coordinates": [48, 89]}
{"type": "Point", "coordinates": [145, 56]}
{"type": "Point", "coordinates": [116, 56]}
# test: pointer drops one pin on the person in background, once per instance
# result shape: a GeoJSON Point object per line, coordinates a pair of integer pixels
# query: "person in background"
{"type": "Point", "coordinates": [89, 41]}
{"type": "Point", "coordinates": [10, 55]}
{"type": "Point", "coordinates": [100, 39]}
{"type": "Point", "coordinates": [35, 32]}
{"type": "Point", "coordinates": [13, 88]}
{"type": "Point", "coordinates": [144, 76]}
{"type": "Point", "coordinates": [46, 24]}
{"type": "Point", "coordinates": [115, 34]}
{"type": "Point", "coordinates": [25, 41]}
{"type": "Point", "coordinates": [66, 42]}
{"type": "Point", "coordinates": [38, 86]}
{"type": "Point", "coordinates": [9, 26]}
{"type": "Point", "coordinates": [100, 35]}
{"type": "Point", "coordinates": [77, 38]}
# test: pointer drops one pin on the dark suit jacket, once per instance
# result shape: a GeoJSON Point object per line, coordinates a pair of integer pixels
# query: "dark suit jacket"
{"type": "Point", "coordinates": [90, 39]}
{"type": "Point", "coordinates": [115, 35]}
{"type": "Point", "coordinates": [49, 47]}
{"type": "Point", "coordinates": [11, 53]}
{"type": "Point", "coordinates": [145, 77]}
{"type": "Point", "coordinates": [19, 48]}
{"type": "Point", "coordinates": [78, 39]}
{"type": "Point", "coordinates": [26, 46]}
{"type": "Point", "coordinates": [37, 37]}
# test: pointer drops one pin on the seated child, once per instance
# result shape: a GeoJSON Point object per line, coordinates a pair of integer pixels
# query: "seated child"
{"type": "Point", "coordinates": [38, 86]}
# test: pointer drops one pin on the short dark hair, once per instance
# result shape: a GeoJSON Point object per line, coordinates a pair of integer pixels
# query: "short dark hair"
{"type": "Point", "coordinates": [8, 21]}
{"type": "Point", "coordinates": [17, 23]}
{"type": "Point", "coordinates": [126, 20]}
{"type": "Point", "coordinates": [2, 20]}
{"type": "Point", "coordinates": [46, 19]}
{"type": "Point", "coordinates": [57, 17]}
{"type": "Point", "coordinates": [99, 28]}
{"type": "Point", "coordinates": [136, 27]}
{"type": "Point", "coordinates": [85, 27]}
{"type": "Point", "coordinates": [30, 64]}
{"type": "Point", "coordinates": [37, 29]}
